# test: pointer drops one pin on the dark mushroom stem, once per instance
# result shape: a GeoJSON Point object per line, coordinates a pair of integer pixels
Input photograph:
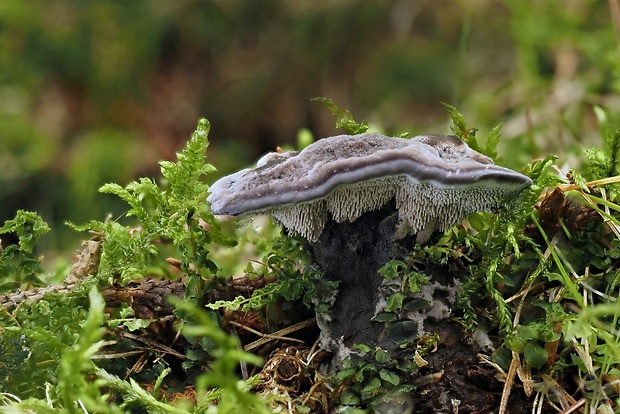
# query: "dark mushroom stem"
{"type": "Point", "coordinates": [352, 253]}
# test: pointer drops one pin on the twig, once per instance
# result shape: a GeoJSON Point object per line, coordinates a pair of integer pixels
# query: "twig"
{"type": "Point", "coordinates": [155, 345]}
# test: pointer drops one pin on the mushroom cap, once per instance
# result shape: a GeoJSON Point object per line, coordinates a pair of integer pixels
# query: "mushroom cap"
{"type": "Point", "coordinates": [436, 180]}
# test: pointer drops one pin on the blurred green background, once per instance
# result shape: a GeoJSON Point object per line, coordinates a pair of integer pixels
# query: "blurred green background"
{"type": "Point", "coordinates": [98, 91]}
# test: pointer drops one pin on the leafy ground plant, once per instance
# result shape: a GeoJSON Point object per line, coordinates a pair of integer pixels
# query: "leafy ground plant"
{"type": "Point", "coordinates": [539, 283]}
{"type": "Point", "coordinates": [49, 343]}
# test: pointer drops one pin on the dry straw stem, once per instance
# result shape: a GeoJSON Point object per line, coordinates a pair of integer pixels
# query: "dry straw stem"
{"type": "Point", "coordinates": [278, 335]}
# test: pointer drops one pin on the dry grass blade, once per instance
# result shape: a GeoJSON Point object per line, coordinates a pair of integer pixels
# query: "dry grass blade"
{"type": "Point", "coordinates": [115, 355]}
{"type": "Point", "coordinates": [577, 407]}
{"type": "Point", "coordinates": [155, 346]}
{"type": "Point", "coordinates": [278, 335]}
{"type": "Point", "coordinates": [486, 360]}
{"type": "Point", "coordinates": [510, 378]}
{"type": "Point", "coordinates": [565, 399]}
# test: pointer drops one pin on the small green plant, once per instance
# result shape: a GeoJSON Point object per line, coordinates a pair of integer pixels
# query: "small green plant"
{"type": "Point", "coordinates": [403, 279]}
{"type": "Point", "coordinates": [53, 340]}
{"type": "Point", "coordinates": [220, 384]}
{"type": "Point", "coordinates": [73, 391]}
{"type": "Point", "coordinates": [469, 134]}
{"type": "Point", "coordinates": [344, 118]}
{"type": "Point", "coordinates": [377, 381]}
{"type": "Point", "coordinates": [174, 213]}
{"type": "Point", "coordinates": [17, 264]}
{"type": "Point", "coordinates": [563, 252]}
{"type": "Point", "coordinates": [288, 265]}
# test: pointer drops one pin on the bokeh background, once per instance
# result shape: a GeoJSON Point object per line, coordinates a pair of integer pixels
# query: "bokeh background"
{"type": "Point", "coordinates": [99, 91]}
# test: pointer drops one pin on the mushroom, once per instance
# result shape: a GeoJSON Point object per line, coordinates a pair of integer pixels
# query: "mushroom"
{"type": "Point", "coordinates": [435, 180]}
{"type": "Point", "coordinates": [357, 199]}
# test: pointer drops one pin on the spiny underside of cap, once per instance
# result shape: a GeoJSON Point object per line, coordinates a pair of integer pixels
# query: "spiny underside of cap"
{"type": "Point", "coordinates": [435, 180]}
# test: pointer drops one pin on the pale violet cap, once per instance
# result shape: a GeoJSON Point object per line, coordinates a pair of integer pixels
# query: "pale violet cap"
{"type": "Point", "coordinates": [435, 180]}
